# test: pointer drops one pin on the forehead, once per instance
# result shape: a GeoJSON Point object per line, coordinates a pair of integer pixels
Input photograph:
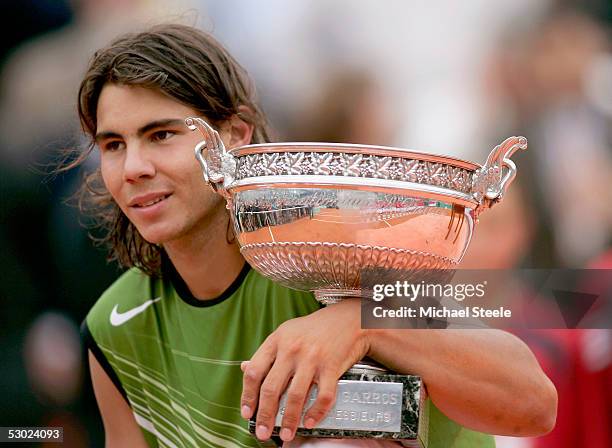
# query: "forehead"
{"type": "Point", "coordinates": [125, 107]}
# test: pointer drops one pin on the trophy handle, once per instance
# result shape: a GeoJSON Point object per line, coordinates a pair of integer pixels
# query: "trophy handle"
{"type": "Point", "coordinates": [492, 180]}
{"type": "Point", "coordinates": [218, 165]}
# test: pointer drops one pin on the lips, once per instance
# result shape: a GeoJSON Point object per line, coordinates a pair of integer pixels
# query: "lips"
{"type": "Point", "coordinates": [148, 200]}
{"type": "Point", "coordinates": [154, 201]}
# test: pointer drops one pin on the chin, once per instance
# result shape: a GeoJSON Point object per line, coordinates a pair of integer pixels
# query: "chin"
{"type": "Point", "coordinates": [157, 236]}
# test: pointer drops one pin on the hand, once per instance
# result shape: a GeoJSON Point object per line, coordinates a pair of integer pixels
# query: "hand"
{"type": "Point", "coordinates": [314, 349]}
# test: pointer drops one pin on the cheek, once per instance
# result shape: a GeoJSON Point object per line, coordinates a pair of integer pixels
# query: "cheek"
{"type": "Point", "coordinates": [202, 194]}
{"type": "Point", "coordinates": [111, 177]}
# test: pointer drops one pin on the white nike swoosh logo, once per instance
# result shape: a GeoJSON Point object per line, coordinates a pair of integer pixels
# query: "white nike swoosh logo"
{"type": "Point", "coordinates": [117, 318]}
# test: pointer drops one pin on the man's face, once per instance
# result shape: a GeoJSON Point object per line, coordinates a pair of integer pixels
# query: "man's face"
{"type": "Point", "coordinates": [148, 164]}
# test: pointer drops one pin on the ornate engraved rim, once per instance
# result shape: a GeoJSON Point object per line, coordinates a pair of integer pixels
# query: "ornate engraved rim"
{"type": "Point", "coordinates": [384, 151]}
{"type": "Point", "coordinates": [342, 165]}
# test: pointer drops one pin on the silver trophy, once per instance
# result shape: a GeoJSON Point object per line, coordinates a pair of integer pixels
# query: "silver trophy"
{"type": "Point", "coordinates": [313, 216]}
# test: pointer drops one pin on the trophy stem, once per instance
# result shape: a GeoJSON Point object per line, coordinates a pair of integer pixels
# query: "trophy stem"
{"type": "Point", "coordinates": [331, 296]}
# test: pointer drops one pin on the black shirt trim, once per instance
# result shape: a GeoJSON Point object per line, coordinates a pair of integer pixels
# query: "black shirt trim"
{"type": "Point", "coordinates": [185, 294]}
{"type": "Point", "coordinates": [89, 343]}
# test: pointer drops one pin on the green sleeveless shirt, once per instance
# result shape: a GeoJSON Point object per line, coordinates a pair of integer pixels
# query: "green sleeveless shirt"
{"type": "Point", "coordinates": [177, 360]}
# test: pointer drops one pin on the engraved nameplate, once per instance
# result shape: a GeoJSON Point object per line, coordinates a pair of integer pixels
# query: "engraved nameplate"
{"type": "Point", "coordinates": [360, 405]}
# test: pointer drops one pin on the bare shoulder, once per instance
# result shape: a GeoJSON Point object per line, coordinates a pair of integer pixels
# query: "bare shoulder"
{"type": "Point", "coordinates": [120, 426]}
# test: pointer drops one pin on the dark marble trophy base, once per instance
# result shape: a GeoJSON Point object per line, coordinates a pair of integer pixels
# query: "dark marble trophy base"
{"type": "Point", "coordinates": [412, 428]}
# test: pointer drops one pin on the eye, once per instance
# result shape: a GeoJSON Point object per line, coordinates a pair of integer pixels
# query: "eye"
{"type": "Point", "coordinates": [160, 136]}
{"type": "Point", "coordinates": [112, 145]}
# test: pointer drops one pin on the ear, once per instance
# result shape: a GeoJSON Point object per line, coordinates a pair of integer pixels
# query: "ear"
{"type": "Point", "coordinates": [240, 132]}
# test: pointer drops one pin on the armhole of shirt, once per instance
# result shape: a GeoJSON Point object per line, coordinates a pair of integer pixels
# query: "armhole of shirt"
{"type": "Point", "coordinates": [89, 344]}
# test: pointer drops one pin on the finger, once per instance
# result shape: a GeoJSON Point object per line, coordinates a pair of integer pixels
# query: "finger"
{"type": "Point", "coordinates": [255, 371]}
{"type": "Point", "coordinates": [272, 387]}
{"type": "Point", "coordinates": [297, 392]}
{"type": "Point", "coordinates": [326, 397]}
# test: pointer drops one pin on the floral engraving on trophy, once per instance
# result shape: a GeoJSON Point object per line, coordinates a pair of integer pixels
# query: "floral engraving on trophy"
{"type": "Point", "coordinates": [459, 179]}
{"type": "Point", "coordinates": [438, 174]}
{"type": "Point", "coordinates": [357, 165]}
{"type": "Point", "coordinates": [352, 164]}
{"type": "Point", "coordinates": [336, 166]}
{"type": "Point", "coordinates": [269, 163]}
{"type": "Point", "coordinates": [309, 163]}
{"type": "Point", "coordinates": [293, 160]}
{"type": "Point", "coordinates": [396, 169]}
{"type": "Point", "coordinates": [412, 170]}
{"type": "Point", "coordinates": [324, 166]}
{"type": "Point", "coordinates": [368, 166]}
{"type": "Point", "coordinates": [382, 167]}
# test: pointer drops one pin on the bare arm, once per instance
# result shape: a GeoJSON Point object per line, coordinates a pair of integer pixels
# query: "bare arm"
{"type": "Point", "coordinates": [120, 427]}
{"type": "Point", "coordinates": [486, 380]}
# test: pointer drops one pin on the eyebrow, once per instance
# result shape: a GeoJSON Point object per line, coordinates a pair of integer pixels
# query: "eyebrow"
{"type": "Point", "coordinates": [142, 130]}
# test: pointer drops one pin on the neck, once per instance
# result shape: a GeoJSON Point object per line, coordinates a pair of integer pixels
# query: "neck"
{"type": "Point", "coordinates": [207, 262]}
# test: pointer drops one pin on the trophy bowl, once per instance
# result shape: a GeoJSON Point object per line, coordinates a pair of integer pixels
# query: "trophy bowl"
{"type": "Point", "coordinates": [316, 216]}
{"type": "Point", "coordinates": [313, 216]}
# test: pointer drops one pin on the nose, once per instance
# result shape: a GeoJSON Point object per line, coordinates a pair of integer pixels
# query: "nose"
{"type": "Point", "coordinates": [138, 164]}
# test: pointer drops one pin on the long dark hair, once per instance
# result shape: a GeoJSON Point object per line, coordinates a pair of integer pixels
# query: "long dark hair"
{"type": "Point", "coordinates": [189, 66]}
